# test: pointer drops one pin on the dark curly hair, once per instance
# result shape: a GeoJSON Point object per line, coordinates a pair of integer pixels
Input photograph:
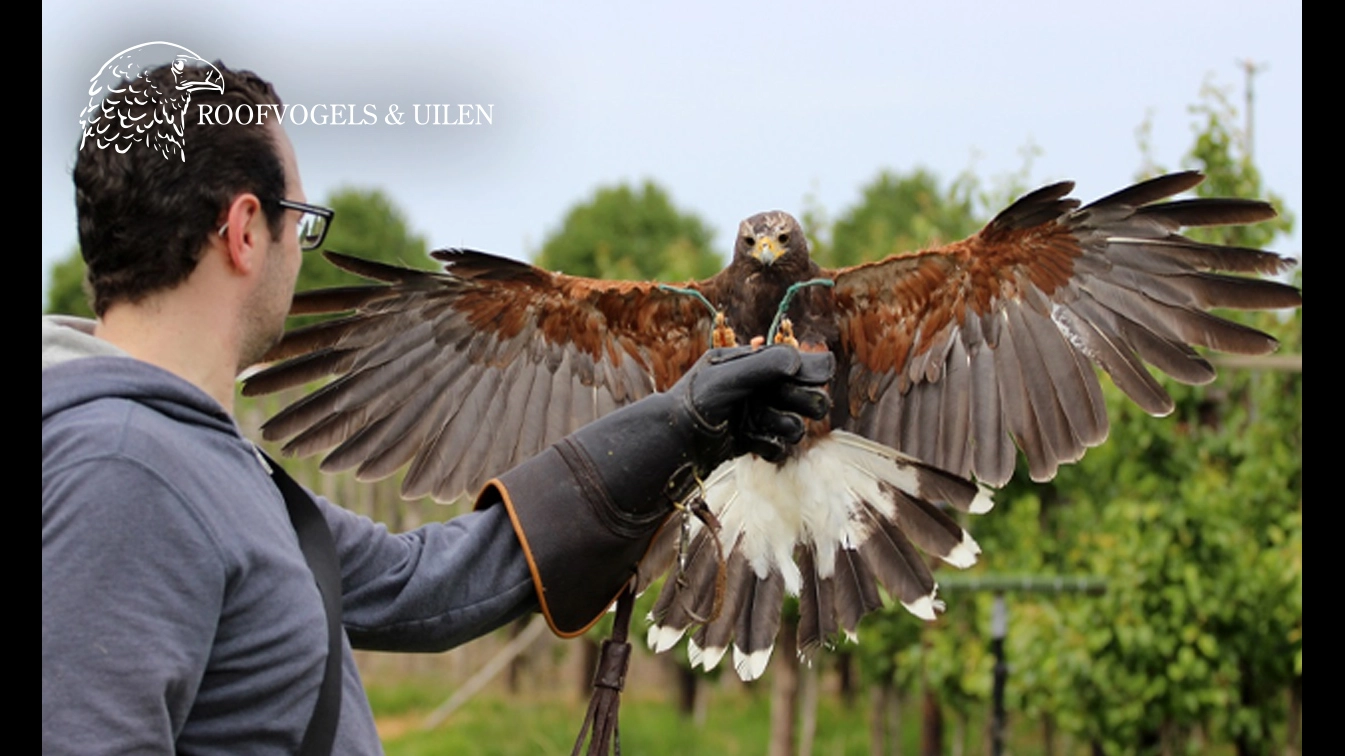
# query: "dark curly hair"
{"type": "Point", "coordinates": [144, 219]}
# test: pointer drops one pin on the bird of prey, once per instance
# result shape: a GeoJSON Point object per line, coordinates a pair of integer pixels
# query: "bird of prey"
{"type": "Point", "coordinates": [121, 82]}
{"type": "Point", "coordinates": [948, 360]}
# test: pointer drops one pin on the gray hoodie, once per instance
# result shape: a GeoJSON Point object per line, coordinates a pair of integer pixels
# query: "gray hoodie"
{"type": "Point", "coordinates": [178, 613]}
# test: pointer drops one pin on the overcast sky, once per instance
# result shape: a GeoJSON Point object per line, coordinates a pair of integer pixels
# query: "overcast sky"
{"type": "Point", "coordinates": [733, 107]}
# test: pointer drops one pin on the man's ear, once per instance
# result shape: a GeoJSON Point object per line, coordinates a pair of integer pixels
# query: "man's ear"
{"type": "Point", "coordinates": [245, 233]}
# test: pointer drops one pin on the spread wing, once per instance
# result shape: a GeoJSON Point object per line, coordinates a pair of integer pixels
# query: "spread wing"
{"type": "Point", "coordinates": [959, 352]}
{"type": "Point", "coordinates": [465, 373]}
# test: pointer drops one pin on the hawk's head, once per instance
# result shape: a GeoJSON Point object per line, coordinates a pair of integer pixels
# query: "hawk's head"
{"type": "Point", "coordinates": [772, 239]}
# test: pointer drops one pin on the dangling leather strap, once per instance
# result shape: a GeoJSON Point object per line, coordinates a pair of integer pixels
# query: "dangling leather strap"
{"type": "Point", "coordinates": [608, 680]}
{"type": "Point", "coordinates": [315, 541]}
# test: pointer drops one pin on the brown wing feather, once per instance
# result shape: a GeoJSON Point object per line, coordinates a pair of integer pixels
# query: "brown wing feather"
{"type": "Point", "coordinates": [957, 353]}
{"type": "Point", "coordinates": [459, 375]}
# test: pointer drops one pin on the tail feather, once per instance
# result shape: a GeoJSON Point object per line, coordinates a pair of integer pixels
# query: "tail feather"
{"type": "Point", "coordinates": [758, 622]}
{"type": "Point", "coordinates": [660, 557]}
{"type": "Point", "coordinates": [817, 606]}
{"type": "Point", "coordinates": [899, 567]}
{"type": "Point", "coordinates": [931, 528]}
{"type": "Point", "coordinates": [831, 524]}
{"type": "Point", "coordinates": [856, 592]}
{"type": "Point", "coordinates": [909, 474]}
{"type": "Point", "coordinates": [710, 642]}
{"type": "Point", "coordinates": [687, 598]}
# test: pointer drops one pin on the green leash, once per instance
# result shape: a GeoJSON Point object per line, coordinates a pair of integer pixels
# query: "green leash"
{"type": "Point", "coordinates": [788, 298]}
{"type": "Point", "coordinates": [779, 312]}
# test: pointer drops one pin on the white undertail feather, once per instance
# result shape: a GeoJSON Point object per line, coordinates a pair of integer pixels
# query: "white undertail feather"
{"type": "Point", "coordinates": [984, 500]}
{"type": "Point", "coordinates": [832, 496]}
{"type": "Point", "coordinates": [886, 462]}
{"type": "Point", "coordinates": [925, 607]}
{"type": "Point", "coordinates": [661, 639]}
{"type": "Point", "coordinates": [964, 555]}
{"type": "Point", "coordinates": [750, 666]}
{"type": "Point", "coordinates": [706, 659]}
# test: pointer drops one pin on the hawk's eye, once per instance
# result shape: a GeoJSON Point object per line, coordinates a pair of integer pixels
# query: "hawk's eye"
{"type": "Point", "coordinates": [784, 238]}
{"type": "Point", "coordinates": [178, 66]}
{"type": "Point", "coordinates": [748, 241]}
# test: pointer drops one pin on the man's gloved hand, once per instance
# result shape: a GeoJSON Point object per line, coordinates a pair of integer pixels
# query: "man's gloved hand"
{"type": "Point", "coordinates": [586, 509]}
{"type": "Point", "coordinates": [733, 401]}
{"type": "Point", "coordinates": [757, 397]}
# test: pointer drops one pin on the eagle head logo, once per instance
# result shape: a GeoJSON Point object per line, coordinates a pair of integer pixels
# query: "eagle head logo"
{"type": "Point", "coordinates": [125, 107]}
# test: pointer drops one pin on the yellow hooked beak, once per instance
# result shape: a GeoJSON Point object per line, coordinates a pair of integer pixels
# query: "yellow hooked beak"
{"type": "Point", "coordinates": [766, 250]}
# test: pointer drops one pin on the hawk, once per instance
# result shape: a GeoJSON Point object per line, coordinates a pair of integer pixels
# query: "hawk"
{"type": "Point", "coordinates": [948, 361]}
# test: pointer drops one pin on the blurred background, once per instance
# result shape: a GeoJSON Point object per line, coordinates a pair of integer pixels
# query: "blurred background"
{"type": "Point", "coordinates": [1153, 591]}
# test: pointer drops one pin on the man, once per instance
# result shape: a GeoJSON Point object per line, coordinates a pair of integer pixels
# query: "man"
{"type": "Point", "coordinates": [178, 613]}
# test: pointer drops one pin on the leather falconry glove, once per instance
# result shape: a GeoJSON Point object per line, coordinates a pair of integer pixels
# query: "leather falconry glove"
{"type": "Point", "coordinates": [586, 509]}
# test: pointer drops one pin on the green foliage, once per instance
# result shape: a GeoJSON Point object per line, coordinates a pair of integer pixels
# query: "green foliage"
{"type": "Point", "coordinates": [901, 213]}
{"type": "Point", "coordinates": [737, 722]}
{"type": "Point", "coordinates": [816, 227]}
{"type": "Point", "coordinates": [1195, 521]}
{"type": "Point", "coordinates": [368, 224]}
{"type": "Point", "coordinates": [634, 235]}
{"type": "Point", "coordinates": [66, 294]}
{"type": "Point", "coordinates": [1221, 151]}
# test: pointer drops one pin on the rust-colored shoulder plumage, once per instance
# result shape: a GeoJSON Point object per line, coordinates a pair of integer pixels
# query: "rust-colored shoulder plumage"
{"type": "Point", "coordinates": [465, 373]}
{"type": "Point", "coordinates": [958, 352]}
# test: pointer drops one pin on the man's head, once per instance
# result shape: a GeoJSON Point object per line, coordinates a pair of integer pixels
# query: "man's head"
{"type": "Point", "coordinates": [144, 220]}
{"type": "Point", "coordinates": [269, 301]}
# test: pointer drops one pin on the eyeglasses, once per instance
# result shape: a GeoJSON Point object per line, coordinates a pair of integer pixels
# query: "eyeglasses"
{"type": "Point", "coordinates": [314, 221]}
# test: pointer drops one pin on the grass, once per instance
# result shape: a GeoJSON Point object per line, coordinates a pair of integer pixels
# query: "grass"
{"type": "Point", "coordinates": [736, 724]}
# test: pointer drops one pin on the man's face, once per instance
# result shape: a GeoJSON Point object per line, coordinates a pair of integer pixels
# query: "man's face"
{"type": "Point", "coordinates": [270, 301]}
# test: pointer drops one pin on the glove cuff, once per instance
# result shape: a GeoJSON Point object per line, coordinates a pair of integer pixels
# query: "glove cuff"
{"type": "Point", "coordinates": [587, 508]}
{"type": "Point", "coordinates": [580, 548]}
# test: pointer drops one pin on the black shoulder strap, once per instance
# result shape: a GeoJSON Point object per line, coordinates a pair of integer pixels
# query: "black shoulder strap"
{"type": "Point", "coordinates": [315, 541]}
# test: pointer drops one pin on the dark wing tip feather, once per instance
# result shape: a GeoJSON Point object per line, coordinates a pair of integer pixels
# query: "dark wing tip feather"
{"type": "Point", "coordinates": [1035, 208]}
{"type": "Point", "coordinates": [336, 299]}
{"type": "Point", "coordinates": [1152, 190]}
{"type": "Point", "coordinates": [296, 372]}
{"type": "Point", "coordinates": [1202, 211]}
{"type": "Point", "coordinates": [308, 339]}
{"type": "Point", "coordinates": [470, 263]}
{"type": "Point", "coordinates": [373, 269]}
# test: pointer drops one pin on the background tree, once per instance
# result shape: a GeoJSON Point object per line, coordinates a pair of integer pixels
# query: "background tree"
{"type": "Point", "coordinates": [1195, 520]}
{"type": "Point", "coordinates": [631, 234]}
{"type": "Point", "coordinates": [66, 294]}
{"type": "Point", "coordinates": [635, 235]}
{"type": "Point", "coordinates": [901, 213]}
{"type": "Point", "coordinates": [368, 224]}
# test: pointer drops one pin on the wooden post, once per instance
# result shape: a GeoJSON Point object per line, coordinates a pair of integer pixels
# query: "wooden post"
{"type": "Point", "coordinates": [784, 688]}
